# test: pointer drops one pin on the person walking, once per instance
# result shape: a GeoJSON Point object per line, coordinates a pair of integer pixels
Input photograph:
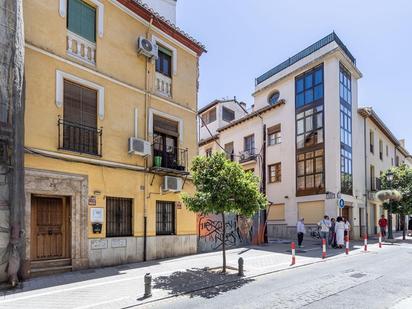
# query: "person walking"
{"type": "Point", "coordinates": [383, 223]}
{"type": "Point", "coordinates": [324, 228]}
{"type": "Point", "coordinates": [300, 227]}
{"type": "Point", "coordinates": [340, 232]}
{"type": "Point", "coordinates": [347, 226]}
{"type": "Point", "coordinates": [332, 233]}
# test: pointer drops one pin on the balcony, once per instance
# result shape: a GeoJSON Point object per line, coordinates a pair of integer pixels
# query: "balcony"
{"type": "Point", "coordinates": [163, 85]}
{"type": "Point", "coordinates": [81, 48]}
{"type": "Point", "coordinates": [247, 155]}
{"type": "Point", "coordinates": [79, 138]}
{"type": "Point", "coordinates": [169, 160]}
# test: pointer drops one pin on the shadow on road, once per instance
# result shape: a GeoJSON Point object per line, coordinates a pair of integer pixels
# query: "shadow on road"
{"type": "Point", "coordinates": [200, 282]}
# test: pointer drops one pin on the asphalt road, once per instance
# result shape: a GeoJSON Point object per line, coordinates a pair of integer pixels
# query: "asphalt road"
{"type": "Point", "coordinates": [369, 280]}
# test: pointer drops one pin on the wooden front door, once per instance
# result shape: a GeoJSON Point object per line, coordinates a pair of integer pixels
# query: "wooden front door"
{"type": "Point", "coordinates": [50, 228]}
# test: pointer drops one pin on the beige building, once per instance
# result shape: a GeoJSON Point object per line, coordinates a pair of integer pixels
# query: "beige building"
{"type": "Point", "coordinates": [111, 101]}
{"type": "Point", "coordinates": [305, 139]}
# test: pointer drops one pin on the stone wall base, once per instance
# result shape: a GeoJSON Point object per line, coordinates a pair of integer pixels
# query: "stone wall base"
{"type": "Point", "coordinates": [122, 250]}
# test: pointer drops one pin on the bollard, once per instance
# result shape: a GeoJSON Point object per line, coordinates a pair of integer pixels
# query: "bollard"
{"type": "Point", "coordinates": [380, 240]}
{"type": "Point", "coordinates": [292, 248]}
{"type": "Point", "coordinates": [240, 272]}
{"type": "Point", "coordinates": [347, 244]}
{"type": "Point", "coordinates": [365, 242]}
{"type": "Point", "coordinates": [323, 248]}
{"type": "Point", "coordinates": [147, 285]}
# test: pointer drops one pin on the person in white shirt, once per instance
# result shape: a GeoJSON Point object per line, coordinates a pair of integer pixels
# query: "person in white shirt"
{"type": "Point", "coordinates": [300, 227]}
{"type": "Point", "coordinates": [347, 226]}
{"type": "Point", "coordinates": [324, 225]}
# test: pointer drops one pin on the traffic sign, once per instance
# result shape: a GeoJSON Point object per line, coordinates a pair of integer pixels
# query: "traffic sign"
{"type": "Point", "coordinates": [341, 203]}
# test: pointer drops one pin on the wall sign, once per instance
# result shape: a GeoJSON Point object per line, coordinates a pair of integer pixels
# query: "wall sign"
{"type": "Point", "coordinates": [96, 215]}
{"type": "Point", "coordinates": [341, 203]}
{"type": "Point", "coordinates": [178, 205]}
{"type": "Point", "coordinates": [92, 200]}
{"type": "Point", "coordinates": [119, 243]}
{"type": "Point", "coordinates": [96, 244]}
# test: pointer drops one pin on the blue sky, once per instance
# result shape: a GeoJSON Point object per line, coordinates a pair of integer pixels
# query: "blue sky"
{"type": "Point", "coordinates": [245, 38]}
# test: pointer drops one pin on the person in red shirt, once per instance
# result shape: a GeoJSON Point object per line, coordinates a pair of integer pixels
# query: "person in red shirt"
{"type": "Point", "coordinates": [383, 223]}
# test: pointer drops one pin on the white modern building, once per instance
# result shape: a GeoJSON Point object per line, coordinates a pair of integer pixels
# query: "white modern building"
{"type": "Point", "coordinates": [309, 142]}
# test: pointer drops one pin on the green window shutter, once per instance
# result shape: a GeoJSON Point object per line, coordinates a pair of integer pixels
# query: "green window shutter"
{"type": "Point", "coordinates": [81, 19]}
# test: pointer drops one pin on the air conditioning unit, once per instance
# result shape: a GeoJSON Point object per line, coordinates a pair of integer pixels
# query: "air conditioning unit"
{"type": "Point", "coordinates": [173, 184]}
{"type": "Point", "coordinates": [147, 48]}
{"type": "Point", "coordinates": [139, 146]}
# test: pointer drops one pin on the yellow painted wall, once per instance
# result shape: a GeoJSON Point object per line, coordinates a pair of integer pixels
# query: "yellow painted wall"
{"type": "Point", "coordinates": [122, 74]}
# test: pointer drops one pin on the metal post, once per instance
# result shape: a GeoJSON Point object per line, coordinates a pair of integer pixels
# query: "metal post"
{"type": "Point", "coordinates": [390, 234]}
{"type": "Point", "coordinates": [240, 267]}
{"type": "Point", "coordinates": [147, 285]}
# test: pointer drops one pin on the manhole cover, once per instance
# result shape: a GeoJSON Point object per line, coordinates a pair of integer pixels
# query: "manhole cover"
{"type": "Point", "coordinates": [358, 275]}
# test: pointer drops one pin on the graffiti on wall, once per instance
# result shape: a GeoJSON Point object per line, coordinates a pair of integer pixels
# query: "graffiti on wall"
{"type": "Point", "coordinates": [239, 231]}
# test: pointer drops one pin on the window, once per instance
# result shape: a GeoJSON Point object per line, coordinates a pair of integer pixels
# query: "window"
{"type": "Point", "coordinates": [80, 131]}
{"type": "Point", "coordinates": [229, 150]}
{"type": "Point", "coordinates": [372, 178]}
{"type": "Point", "coordinates": [118, 216]}
{"type": "Point", "coordinates": [309, 127]}
{"type": "Point", "coordinates": [397, 160]}
{"type": "Point", "coordinates": [209, 116]}
{"type": "Point", "coordinates": [371, 141]}
{"type": "Point", "coordinates": [345, 87]}
{"type": "Point", "coordinates": [227, 114]}
{"type": "Point", "coordinates": [209, 152]}
{"type": "Point", "coordinates": [164, 61]}
{"type": "Point", "coordinates": [275, 173]}
{"type": "Point", "coordinates": [273, 98]}
{"type": "Point", "coordinates": [274, 135]}
{"type": "Point", "coordinates": [249, 144]}
{"type": "Point", "coordinates": [346, 179]}
{"type": "Point", "coordinates": [165, 218]}
{"type": "Point", "coordinates": [387, 150]}
{"type": "Point", "coordinates": [81, 19]}
{"type": "Point", "coordinates": [392, 161]}
{"type": "Point", "coordinates": [380, 149]}
{"type": "Point", "coordinates": [309, 87]}
{"type": "Point", "coordinates": [310, 172]}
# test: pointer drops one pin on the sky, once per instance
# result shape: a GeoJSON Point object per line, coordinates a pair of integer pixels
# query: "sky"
{"type": "Point", "coordinates": [245, 38]}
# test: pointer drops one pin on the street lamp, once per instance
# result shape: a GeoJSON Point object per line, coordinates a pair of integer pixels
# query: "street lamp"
{"type": "Point", "coordinates": [389, 178]}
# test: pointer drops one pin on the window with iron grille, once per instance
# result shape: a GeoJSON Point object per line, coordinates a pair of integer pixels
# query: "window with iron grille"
{"type": "Point", "coordinates": [118, 216]}
{"type": "Point", "coordinates": [165, 218]}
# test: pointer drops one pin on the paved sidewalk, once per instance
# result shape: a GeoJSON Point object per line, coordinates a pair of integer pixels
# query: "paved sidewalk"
{"type": "Point", "coordinates": [122, 286]}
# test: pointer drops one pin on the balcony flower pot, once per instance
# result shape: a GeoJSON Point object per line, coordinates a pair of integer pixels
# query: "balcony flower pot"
{"type": "Point", "coordinates": [157, 161]}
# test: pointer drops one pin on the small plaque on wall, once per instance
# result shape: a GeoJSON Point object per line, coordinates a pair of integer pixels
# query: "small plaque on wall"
{"type": "Point", "coordinates": [119, 243]}
{"type": "Point", "coordinates": [96, 215]}
{"type": "Point", "coordinates": [98, 244]}
{"type": "Point", "coordinates": [92, 200]}
{"type": "Point", "coordinates": [178, 205]}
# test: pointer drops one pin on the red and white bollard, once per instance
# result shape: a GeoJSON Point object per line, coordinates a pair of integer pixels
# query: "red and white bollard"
{"type": "Point", "coordinates": [365, 242]}
{"type": "Point", "coordinates": [347, 244]}
{"type": "Point", "coordinates": [293, 249]}
{"type": "Point", "coordinates": [380, 240]}
{"type": "Point", "coordinates": [323, 248]}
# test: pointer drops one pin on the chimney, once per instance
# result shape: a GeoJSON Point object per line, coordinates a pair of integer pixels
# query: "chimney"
{"type": "Point", "coordinates": [166, 8]}
{"type": "Point", "coordinates": [402, 142]}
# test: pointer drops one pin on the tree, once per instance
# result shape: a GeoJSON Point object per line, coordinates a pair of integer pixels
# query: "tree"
{"type": "Point", "coordinates": [12, 116]}
{"type": "Point", "coordinates": [222, 186]}
{"type": "Point", "coordinates": [402, 182]}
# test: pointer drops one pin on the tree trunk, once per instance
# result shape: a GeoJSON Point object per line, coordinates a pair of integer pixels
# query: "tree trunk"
{"type": "Point", "coordinates": [403, 227]}
{"type": "Point", "coordinates": [12, 97]}
{"type": "Point", "coordinates": [224, 242]}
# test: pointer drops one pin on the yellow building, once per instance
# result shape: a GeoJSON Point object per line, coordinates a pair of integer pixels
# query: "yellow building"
{"type": "Point", "coordinates": [111, 100]}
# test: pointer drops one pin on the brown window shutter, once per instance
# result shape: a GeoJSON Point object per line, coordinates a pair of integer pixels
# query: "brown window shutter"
{"type": "Point", "coordinates": [72, 102]}
{"type": "Point", "coordinates": [89, 107]}
{"type": "Point", "coordinates": [274, 129]}
{"type": "Point", "coordinates": [165, 126]}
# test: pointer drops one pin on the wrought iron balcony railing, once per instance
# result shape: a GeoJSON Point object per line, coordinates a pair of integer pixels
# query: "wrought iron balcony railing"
{"type": "Point", "coordinates": [79, 138]}
{"type": "Point", "coordinates": [169, 157]}
{"type": "Point", "coordinates": [247, 155]}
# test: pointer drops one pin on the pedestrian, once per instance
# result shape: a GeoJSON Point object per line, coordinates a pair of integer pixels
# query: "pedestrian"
{"type": "Point", "coordinates": [383, 223]}
{"type": "Point", "coordinates": [340, 232]}
{"type": "Point", "coordinates": [347, 226]}
{"type": "Point", "coordinates": [332, 233]}
{"type": "Point", "coordinates": [300, 227]}
{"type": "Point", "coordinates": [324, 228]}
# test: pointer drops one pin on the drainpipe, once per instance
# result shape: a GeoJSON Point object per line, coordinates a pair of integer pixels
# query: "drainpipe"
{"type": "Point", "coordinates": [146, 136]}
{"type": "Point", "coordinates": [264, 181]}
{"type": "Point", "coordinates": [366, 178]}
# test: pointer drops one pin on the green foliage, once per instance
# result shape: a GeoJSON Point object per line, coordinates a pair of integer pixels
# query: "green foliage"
{"type": "Point", "coordinates": [402, 182]}
{"type": "Point", "coordinates": [222, 186]}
